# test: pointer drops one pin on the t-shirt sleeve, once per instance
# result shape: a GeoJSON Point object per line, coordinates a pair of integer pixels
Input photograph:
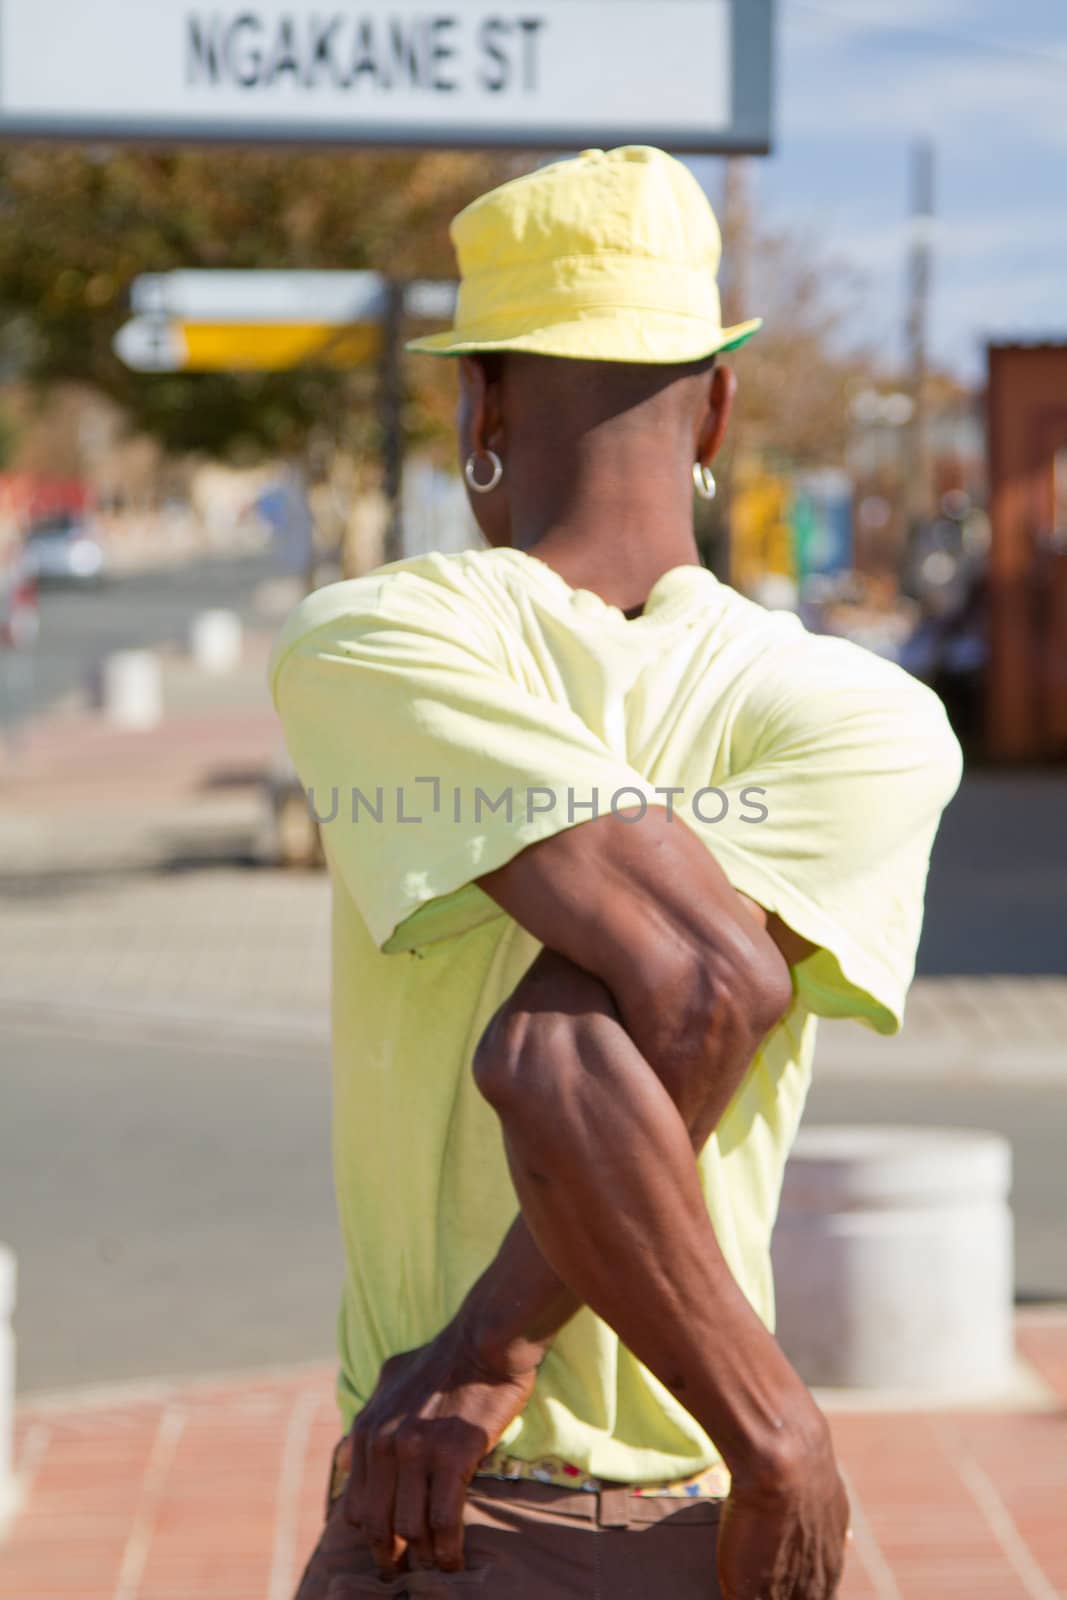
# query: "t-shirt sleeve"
{"type": "Point", "coordinates": [834, 806]}
{"type": "Point", "coordinates": [427, 758]}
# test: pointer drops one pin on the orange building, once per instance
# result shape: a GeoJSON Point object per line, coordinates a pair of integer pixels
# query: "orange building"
{"type": "Point", "coordinates": [1027, 689]}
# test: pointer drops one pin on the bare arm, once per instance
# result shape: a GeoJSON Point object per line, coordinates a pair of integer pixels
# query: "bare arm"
{"type": "Point", "coordinates": [616, 1056]}
{"type": "Point", "coordinates": [650, 958]}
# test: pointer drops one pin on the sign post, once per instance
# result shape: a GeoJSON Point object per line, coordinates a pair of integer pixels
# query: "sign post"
{"type": "Point", "coordinates": [204, 321]}
{"type": "Point", "coordinates": [689, 75]}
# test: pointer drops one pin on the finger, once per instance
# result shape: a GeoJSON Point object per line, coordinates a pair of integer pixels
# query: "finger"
{"type": "Point", "coordinates": [357, 1477]}
{"type": "Point", "coordinates": [448, 1497]}
{"type": "Point", "coordinates": [413, 1501]}
{"type": "Point", "coordinates": [379, 1501]}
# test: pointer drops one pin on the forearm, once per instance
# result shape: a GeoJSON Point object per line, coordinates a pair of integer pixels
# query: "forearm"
{"type": "Point", "coordinates": [519, 1304]}
{"type": "Point", "coordinates": [605, 1174]}
{"type": "Point", "coordinates": [604, 1168]}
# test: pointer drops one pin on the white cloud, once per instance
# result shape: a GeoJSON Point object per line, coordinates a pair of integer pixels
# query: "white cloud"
{"type": "Point", "coordinates": [960, 242]}
{"type": "Point", "coordinates": [849, 19]}
{"type": "Point", "coordinates": [829, 91]}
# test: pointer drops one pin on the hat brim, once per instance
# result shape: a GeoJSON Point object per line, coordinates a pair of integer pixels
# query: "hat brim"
{"type": "Point", "coordinates": [653, 339]}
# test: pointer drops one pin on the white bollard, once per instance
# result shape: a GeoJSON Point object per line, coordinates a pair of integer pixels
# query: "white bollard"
{"type": "Point", "coordinates": [7, 1384]}
{"type": "Point", "coordinates": [215, 641]}
{"type": "Point", "coordinates": [132, 689]}
{"type": "Point", "coordinates": [893, 1260]}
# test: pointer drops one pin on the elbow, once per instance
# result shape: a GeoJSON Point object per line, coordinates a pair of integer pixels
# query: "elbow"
{"type": "Point", "coordinates": [760, 988]}
{"type": "Point", "coordinates": [533, 1054]}
{"type": "Point", "coordinates": [735, 992]}
{"type": "Point", "coordinates": [498, 1058]}
{"type": "Point", "coordinates": [770, 985]}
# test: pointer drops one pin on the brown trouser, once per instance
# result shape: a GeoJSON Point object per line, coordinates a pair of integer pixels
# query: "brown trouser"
{"type": "Point", "coordinates": [531, 1541]}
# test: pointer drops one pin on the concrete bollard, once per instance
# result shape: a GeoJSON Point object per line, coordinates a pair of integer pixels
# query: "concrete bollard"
{"type": "Point", "coordinates": [893, 1260]}
{"type": "Point", "coordinates": [215, 641]}
{"type": "Point", "coordinates": [7, 1384]}
{"type": "Point", "coordinates": [132, 689]}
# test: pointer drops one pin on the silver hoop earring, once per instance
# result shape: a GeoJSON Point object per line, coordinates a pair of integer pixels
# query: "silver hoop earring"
{"type": "Point", "coordinates": [704, 480]}
{"type": "Point", "coordinates": [472, 463]}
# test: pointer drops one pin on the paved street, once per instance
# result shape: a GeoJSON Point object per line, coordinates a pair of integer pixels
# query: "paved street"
{"type": "Point", "coordinates": [998, 880]}
{"type": "Point", "coordinates": [136, 610]}
{"type": "Point", "coordinates": [169, 1200]}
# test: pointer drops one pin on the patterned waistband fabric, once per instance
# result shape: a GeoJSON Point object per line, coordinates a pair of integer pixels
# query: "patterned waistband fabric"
{"type": "Point", "coordinates": [712, 1484]}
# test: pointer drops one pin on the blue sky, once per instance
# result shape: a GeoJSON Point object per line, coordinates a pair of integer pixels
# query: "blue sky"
{"type": "Point", "coordinates": [986, 80]}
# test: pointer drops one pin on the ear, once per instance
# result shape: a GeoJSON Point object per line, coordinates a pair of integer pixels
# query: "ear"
{"type": "Point", "coordinates": [483, 402]}
{"type": "Point", "coordinates": [719, 404]}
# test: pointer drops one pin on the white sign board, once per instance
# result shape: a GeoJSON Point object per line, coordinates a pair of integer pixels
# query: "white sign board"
{"type": "Point", "coordinates": [688, 74]}
{"type": "Point", "coordinates": [197, 295]}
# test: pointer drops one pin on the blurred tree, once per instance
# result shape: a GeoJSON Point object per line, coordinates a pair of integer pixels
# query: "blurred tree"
{"type": "Point", "coordinates": [798, 376]}
{"type": "Point", "coordinates": [77, 226]}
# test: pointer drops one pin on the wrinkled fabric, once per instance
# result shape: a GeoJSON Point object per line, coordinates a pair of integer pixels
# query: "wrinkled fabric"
{"type": "Point", "coordinates": [610, 256]}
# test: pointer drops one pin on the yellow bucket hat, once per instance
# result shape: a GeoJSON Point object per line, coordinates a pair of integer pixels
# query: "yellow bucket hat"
{"type": "Point", "coordinates": [610, 256]}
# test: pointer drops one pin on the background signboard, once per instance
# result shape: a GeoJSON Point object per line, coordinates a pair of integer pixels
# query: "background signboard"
{"type": "Point", "coordinates": [258, 321]}
{"type": "Point", "coordinates": [691, 75]}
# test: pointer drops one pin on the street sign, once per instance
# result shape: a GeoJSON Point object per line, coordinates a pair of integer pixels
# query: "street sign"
{"type": "Point", "coordinates": [332, 298]}
{"type": "Point", "coordinates": [204, 321]}
{"type": "Point", "coordinates": [690, 75]}
{"type": "Point", "coordinates": [153, 344]}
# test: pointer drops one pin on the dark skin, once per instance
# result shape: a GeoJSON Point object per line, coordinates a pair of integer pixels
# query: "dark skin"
{"type": "Point", "coordinates": [616, 1057]}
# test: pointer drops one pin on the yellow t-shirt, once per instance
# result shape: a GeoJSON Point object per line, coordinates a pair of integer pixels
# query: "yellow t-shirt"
{"type": "Point", "coordinates": [449, 711]}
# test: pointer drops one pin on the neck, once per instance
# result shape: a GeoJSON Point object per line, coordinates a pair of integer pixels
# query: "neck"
{"type": "Point", "coordinates": [614, 532]}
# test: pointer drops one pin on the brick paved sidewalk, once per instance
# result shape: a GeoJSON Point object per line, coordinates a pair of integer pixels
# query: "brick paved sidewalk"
{"type": "Point", "coordinates": [214, 1492]}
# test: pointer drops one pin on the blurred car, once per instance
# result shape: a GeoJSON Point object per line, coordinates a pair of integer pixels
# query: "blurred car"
{"type": "Point", "coordinates": [19, 625]}
{"type": "Point", "coordinates": [63, 549]}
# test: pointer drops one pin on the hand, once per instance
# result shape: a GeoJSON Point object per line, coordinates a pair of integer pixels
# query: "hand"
{"type": "Point", "coordinates": [784, 1530]}
{"type": "Point", "coordinates": [435, 1414]}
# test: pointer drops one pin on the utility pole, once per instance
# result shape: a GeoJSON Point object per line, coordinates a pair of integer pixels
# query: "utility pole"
{"type": "Point", "coordinates": [737, 303]}
{"type": "Point", "coordinates": [391, 409]}
{"type": "Point", "coordinates": [919, 487]}
{"type": "Point", "coordinates": [737, 241]}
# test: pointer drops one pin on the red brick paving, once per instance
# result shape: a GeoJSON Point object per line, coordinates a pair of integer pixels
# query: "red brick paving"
{"type": "Point", "coordinates": [214, 1492]}
{"type": "Point", "coordinates": [77, 765]}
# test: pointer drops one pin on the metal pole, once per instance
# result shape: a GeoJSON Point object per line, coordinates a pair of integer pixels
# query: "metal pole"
{"type": "Point", "coordinates": [737, 260]}
{"type": "Point", "coordinates": [392, 419]}
{"type": "Point", "coordinates": [919, 488]}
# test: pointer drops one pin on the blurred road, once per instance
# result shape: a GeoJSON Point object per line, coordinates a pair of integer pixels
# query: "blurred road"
{"type": "Point", "coordinates": [168, 1192]}
{"type": "Point", "coordinates": [169, 1201]}
{"type": "Point", "coordinates": [997, 895]}
{"type": "Point", "coordinates": [79, 627]}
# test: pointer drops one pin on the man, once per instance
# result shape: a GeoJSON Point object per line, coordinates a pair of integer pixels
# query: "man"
{"type": "Point", "coordinates": [605, 839]}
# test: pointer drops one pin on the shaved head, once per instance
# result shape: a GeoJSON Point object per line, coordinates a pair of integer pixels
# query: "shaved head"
{"type": "Point", "coordinates": [590, 449]}
{"type": "Point", "coordinates": [571, 398]}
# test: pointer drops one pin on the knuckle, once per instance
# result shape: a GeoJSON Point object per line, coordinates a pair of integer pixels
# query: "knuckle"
{"type": "Point", "coordinates": [447, 1458]}
{"type": "Point", "coordinates": [410, 1445]}
{"type": "Point", "coordinates": [380, 1445]}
